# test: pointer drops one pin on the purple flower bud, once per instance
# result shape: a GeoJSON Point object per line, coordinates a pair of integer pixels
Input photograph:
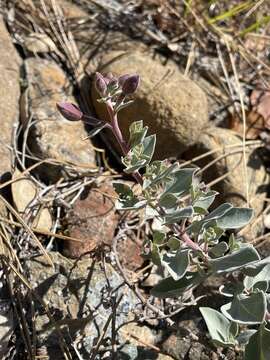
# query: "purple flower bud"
{"type": "Point", "coordinates": [69, 111]}
{"type": "Point", "coordinates": [122, 79]}
{"type": "Point", "coordinates": [131, 84]}
{"type": "Point", "coordinates": [101, 84]}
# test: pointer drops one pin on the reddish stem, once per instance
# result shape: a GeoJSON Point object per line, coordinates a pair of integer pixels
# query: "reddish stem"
{"type": "Point", "coordinates": [137, 176]}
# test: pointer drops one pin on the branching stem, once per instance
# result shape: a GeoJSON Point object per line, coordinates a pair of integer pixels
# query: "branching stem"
{"type": "Point", "coordinates": [114, 126]}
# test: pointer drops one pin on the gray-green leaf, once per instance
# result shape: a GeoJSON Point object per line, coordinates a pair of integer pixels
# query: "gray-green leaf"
{"type": "Point", "coordinates": [246, 309]}
{"type": "Point", "coordinates": [168, 288]}
{"type": "Point", "coordinates": [258, 347]}
{"type": "Point", "coordinates": [218, 326]}
{"type": "Point", "coordinates": [182, 180]}
{"type": "Point", "coordinates": [176, 262]}
{"type": "Point", "coordinates": [235, 218]}
{"type": "Point", "coordinates": [175, 216]}
{"type": "Point", "coordinates": [234, 261]}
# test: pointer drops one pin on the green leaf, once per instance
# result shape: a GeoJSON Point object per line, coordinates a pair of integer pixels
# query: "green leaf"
{"type": "Point", "coordinates": [168, 288]}
{"type": "Point", "coordinates": [231, 289]}
{"type": "Point", "coordinates": [235, 218]}
{"type": "Point", "coordinates": [174, 217]}
{"type": "Point", "coordinates": [246, 309]}
{"type": "Point", "coordinates": [210, 219]}
{"type": "Point", "coordinates": [219, 249]}
{"type": "Point", "coordinates": [212, 234]}
{"type": "Point", "coordinates": [218, 326]}
{"type": "Point", "coordinates": [176, 262]}
{"type": "Point", "coordinates": [158, 237]}
{"type": "Point", "coordinates": [174, 243]}
{"type": "Point", "coordinates": [205, 200]}
{"type": "Point", "coordinates": [149, 144]}
{"type": "Point", "coordinates": [137, 133]}
{"type": "Point", "coordinates": [127, 200]}
{"type": "Point", "coordinates": [182, 180]}
{"type": "Point", "coordinates": [234, 261]}
{"type": "Point", "coordinates": [220, 211]}
{"type": "Point", "coordinates": [167, 201]}
{"type": "Point", "coordinates": [254, 268]}
{"type": "Point", "coordinates": [262, 276]}
{"type": "Point", "coordinates": [155, 255]}
{"type": "Point", "coordinates": [258, 347]}
{"type": "Point", "coordinates": [140, 155]}
{"type": "Point", "coordinates": [244, 336]}
{"type": "Point", "coordinates": [157, 173]}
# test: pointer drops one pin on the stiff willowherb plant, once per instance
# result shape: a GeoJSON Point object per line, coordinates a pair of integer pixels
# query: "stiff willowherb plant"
{"type": "Point", "coordinates": [195, 247]}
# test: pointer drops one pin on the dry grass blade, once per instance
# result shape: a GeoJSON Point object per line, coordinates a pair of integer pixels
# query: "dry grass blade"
{"type": "Point", "coordinates": [27, 228]}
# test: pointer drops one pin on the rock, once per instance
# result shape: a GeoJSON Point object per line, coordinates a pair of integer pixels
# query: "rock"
{"type": "Point", "coordinates": [233, 187]}
{"type": "Point", "coordinates": [9, 94]}
{"type": "Point", "coordinates": [24, 194]}
{"type": "Point", "coordinates": [72, 10]}
{"type": "Point", "coordinates": [92, 219]}
{"type": "Point", "coordinates": [173, 106]}
{"type": "Point", "coordinates": [191, 342]}
{"type": "Point", "coordinates": [52, 137]}
{"type": "Point", "coordinates": [78, 294]}
{"type": "Point", "coordinates": [39, 43]}
{"type": "Point", "coordinates": [130, 253]}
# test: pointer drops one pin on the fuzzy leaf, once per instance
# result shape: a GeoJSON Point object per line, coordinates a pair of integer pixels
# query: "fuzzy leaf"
{"type": "Point", "coordinates": [167, 201]}
{"type": "Point", "coordinates": [255, 267]}
{"type": "Point", "coordinates": [174, 217]}
{"type": "Point", "coordinates": [155, 255]}
{"type": "Point", "coordinates": [158, 172]}
{"type": "Point", "coordinates": [158, 238]}
{"type": "Point", "coordinates": [127, 200]}
{"type": "Point", "coordinates": [168, 288]}
{"type": "Point", "coordinates": [182, 180]}
{"type": "Point", "coordinates": [246, 309]}
{"type": "Point", "coordinates": [137, 133]}
{"type": "Point", "coordinates": [176, 262]}
{"type": "Point", "coordinates": [219, 249]}
{"type": "Point", "coordinates": [218, 212]}
{"type": "Point", "coordinates": [244, 336]}
{"type": "Point", "coordinates": [210, 219]}
{"type": "Point", "coordinates": [258, 346]}
{"type": "Point", "coordinates": [234, 261]}
{"type": "Point", "coordinates": [174, 243]}
{"type": "Point", "coordinates": [218, 326]}
{"type": "Point", "coordinates": [205, 200]}
{"type": "Point", "coordinates": [235, 218]}
{"type": "Point", "coordinates": [262, 276]}
{"type": "Point", "coordinates": [149, 144]}
{"type": "Point", "coordinates": [140, 155]}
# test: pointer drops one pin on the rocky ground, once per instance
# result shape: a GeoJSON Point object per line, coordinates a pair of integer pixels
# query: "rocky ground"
{"type": "Point", "coordinates": [74, 283]}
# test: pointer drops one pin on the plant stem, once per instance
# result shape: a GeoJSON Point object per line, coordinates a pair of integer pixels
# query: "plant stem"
{"type": "Point", "coordinates": [119, 137]}
{"type": "Point", "coordinates": [114, 126]}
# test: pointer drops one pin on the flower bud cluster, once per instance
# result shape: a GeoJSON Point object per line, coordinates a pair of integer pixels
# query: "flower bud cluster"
{"type": "Point", "coordinates": [108, 85]}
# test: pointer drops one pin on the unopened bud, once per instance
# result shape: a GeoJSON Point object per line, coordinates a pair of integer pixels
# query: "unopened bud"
{"type": "Point", "coordinates": [122, 79]}
{"type": "Point", "coordinates": [100, 84]}
{"type": "Point", "coordinates": [69, 111]}
{"type": "Point", "coordinates": [131, 84]}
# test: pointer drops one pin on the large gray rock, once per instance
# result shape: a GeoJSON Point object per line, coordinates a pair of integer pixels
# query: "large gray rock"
{"type": "Point", "coordinates": [50, 135]}
{"type": "Point", "coordinates": [9, 94]}
{"type": "Point", "coordinates": [172, 105]}
{"type": "Point", "coordinates": [80, 297]}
